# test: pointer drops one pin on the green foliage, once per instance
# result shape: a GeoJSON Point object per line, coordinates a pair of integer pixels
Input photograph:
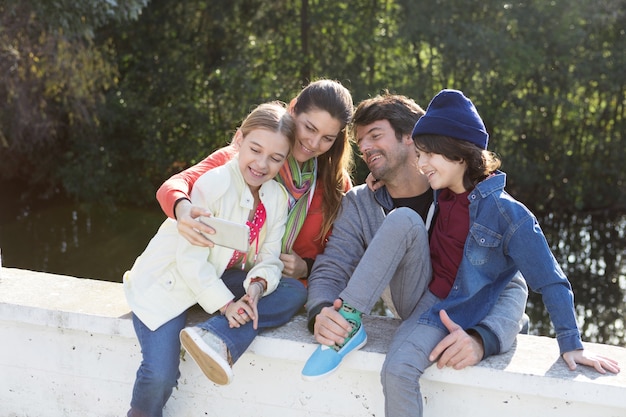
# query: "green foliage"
{"type": "Point", "coordinates": [107, 99]}
{"type": "Point", "coordinates": [54, 78]}
{"type": "Point", "coordinates": [544, 77]}
{"type": "Point", "coordinates": [81, 17]}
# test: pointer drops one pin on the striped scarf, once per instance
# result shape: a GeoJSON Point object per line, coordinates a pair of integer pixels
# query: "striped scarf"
{"type": "Point", "coordinates": [300, 185]}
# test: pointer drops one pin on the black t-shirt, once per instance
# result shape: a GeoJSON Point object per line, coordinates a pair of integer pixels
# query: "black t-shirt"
{"type": "Point", "coordinates": [420, 203]}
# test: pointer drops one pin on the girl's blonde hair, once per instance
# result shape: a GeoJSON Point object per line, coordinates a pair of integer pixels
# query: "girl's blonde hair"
{"type": "Point", "coordinates": [480, 162]}
{"type": "Point", "coordinates": [272, 116]}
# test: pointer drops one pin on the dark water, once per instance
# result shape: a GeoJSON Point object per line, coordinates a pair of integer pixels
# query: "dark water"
{"type": "Point", "coordinates": [61, 237]}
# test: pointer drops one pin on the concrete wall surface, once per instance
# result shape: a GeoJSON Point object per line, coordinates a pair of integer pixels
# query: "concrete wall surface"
{"type": "Point", "coordinates": [68, 348]}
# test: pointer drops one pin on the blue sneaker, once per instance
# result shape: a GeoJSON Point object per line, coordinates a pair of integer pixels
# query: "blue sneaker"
{"type": "Point", "coordinates": [325, 360]}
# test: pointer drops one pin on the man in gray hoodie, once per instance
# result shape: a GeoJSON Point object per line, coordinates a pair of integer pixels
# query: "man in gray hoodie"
{"type": "Point", "coordinates": [368, 226]}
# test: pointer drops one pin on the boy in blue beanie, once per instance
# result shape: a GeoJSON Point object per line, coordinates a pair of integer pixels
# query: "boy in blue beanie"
{"type": "Point", "coordinates": [480, 239]}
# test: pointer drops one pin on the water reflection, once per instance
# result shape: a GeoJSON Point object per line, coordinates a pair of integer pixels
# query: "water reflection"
{"type": "Point", "coordinates": [64, 238]}
{"type": "Point", "coordinates": [100, 243]}
{"type": "Point", "coordinates": [592, 252]}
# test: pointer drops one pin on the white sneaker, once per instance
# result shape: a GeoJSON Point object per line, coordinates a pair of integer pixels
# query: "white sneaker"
{"type": "Point", "coordinates": [209, 352]}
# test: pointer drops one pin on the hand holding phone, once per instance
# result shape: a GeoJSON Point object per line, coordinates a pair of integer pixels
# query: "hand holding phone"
{"type": "Point", "coordinates": [228, 233]}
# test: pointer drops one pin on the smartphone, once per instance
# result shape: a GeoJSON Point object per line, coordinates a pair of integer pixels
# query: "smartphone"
{"type": "Point", "coordinates": [228, 233]}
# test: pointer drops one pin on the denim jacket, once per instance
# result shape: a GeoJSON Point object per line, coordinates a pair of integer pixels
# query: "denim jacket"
{"type": "Point", "coordinates": [505, 238]}
{"type": "Point", "coordinates": [362, 214]}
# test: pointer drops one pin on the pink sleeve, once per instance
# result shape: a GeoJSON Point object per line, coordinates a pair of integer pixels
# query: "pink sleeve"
{"type": "Point", "coordinates": [180, 185]}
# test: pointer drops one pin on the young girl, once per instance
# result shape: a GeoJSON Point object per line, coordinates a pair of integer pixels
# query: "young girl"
{"type": "Point", "coordinates": [480, 239]}
{"type": "Point", "coordinates": [246, 288]}
{"type": "Point", "coordinates": [316, 175]}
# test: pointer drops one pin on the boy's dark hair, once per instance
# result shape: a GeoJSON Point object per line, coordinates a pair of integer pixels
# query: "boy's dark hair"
{"type": "Point", "coordinates": [480, 162]}
{"type": "Point", "coordinates": [401, 112]}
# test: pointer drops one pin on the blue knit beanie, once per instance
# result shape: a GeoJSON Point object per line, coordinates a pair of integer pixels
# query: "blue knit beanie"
{"type": "Point", "coordinates": [452, 114]}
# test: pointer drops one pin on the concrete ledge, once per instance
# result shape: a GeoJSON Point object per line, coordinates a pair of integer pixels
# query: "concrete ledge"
{"type": "Point", "coordinates": [68, 349]}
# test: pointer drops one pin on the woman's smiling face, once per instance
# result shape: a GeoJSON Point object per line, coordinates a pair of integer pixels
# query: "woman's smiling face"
{"type": "Point", "coordinates": [316, 132]}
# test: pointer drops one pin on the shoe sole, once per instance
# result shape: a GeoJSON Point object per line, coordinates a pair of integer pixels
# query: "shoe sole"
{"type": "Point", "coordinates": [209, 361]}
{"type": "Point", "coordinates": [322, 376]}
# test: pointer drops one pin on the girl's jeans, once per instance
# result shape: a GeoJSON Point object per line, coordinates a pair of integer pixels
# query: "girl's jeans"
{"type": "Point", "coordinates": [158, 373]}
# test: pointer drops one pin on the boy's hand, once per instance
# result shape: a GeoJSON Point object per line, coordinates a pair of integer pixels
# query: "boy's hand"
{"type": "Point", "coordinates": [458, 349]}
{"type": "Point", "coordinates": [372, 183]}
{"type": "Point", "coordinates": [599, 363]}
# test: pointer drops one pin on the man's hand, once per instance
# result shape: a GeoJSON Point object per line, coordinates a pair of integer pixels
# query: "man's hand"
{"type": "Point", "coordinates": [331, 328]}
{"type": "Point", "coordinates": [189, 227]}
{"type": "Point", "coordinates": [458, 349]}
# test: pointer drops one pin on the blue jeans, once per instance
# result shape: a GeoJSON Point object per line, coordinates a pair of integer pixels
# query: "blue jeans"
{"type": "Point", "coordinates": [399, 256]}
{"type": "Point", "coordinates": [158, 373]}
{"type": "Point", "coordinates": [406, 361]}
